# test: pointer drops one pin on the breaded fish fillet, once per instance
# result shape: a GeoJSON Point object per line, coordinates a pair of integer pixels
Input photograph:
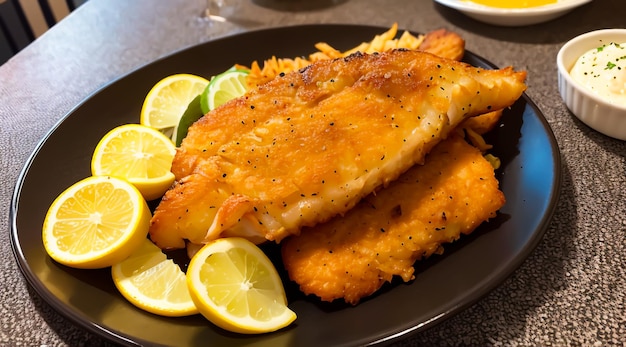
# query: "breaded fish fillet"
{"type": "Point", "coordinates": [351, 257]}
{"type": "Point", "coordinates": [309, 145]}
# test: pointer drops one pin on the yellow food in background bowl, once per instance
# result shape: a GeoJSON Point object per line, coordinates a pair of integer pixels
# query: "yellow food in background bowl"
{"type": "Point", "coordinates": [514, 4]}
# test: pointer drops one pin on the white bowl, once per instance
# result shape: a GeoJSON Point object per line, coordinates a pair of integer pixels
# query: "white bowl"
{"type": "Point", "coordinates": [513, 17]}
{"type": "Point", "coordinates": [589, 107]}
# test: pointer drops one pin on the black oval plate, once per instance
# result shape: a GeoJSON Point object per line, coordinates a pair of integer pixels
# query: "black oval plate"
{"type": "Point", "coordinates": [469, 268]}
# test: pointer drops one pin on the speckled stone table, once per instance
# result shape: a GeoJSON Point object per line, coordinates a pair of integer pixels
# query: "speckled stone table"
{"type": "Point", "coordinates": [571, 290]}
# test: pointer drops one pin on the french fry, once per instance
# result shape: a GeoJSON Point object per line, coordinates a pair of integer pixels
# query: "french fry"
{"type": "Point", "coordinates": [327, 51]}
{"type": "Point", "coordinates": [407, 40]}
{"type": "Point", "coordinates": [383, 42]}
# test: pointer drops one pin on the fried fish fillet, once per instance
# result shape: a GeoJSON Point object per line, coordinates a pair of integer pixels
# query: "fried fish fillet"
{"type": "Point", "coordinates": [309, 145]}
{"type": "Point", "coordinates": [351, 257]}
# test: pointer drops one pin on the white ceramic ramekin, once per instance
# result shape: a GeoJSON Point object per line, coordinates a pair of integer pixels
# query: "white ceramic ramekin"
{"type": "Point", "coordinates": [590, 108]}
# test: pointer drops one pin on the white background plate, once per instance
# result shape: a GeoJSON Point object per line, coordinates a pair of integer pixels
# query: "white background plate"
{"type": "Point", "coordinates": [513, 17]}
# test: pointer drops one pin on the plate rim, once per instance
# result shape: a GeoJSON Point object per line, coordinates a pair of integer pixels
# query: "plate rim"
{"type": "Point", "coordinates": [80, 319]}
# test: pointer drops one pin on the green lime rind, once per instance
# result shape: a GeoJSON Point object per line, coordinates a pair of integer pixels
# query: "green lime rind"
{"type": "Point", "coordinates": [191, 115]}
{"type": "Point", "coordinates": [199, 106]}
{"type": "Point", "coordinates": [206, 103]}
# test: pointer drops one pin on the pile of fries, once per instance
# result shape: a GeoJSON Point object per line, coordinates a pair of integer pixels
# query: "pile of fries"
{"type": "Point", "coordinates": [274, 66]}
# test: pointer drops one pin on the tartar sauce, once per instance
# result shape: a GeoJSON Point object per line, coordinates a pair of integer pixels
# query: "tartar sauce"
{"type": "Point", "coordinates": [603, 71]}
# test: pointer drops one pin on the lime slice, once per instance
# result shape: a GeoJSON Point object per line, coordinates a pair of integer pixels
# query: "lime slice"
{"type": "Point", "coordinates": [222, 88]}
{"type": "Point", "coordinates": [192, 114]}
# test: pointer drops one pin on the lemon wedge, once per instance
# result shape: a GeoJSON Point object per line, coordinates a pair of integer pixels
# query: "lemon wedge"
{"type": "Point", "coordinates": [139, 154]}
{"type": "Point", "coordinates": [95, 223]}
{"type": "Point", "coordinates": [236, 287]}
{"type": "Point", "coordinates": [167, 101]}
{"type": "Point", "coordinates": [154, 283]}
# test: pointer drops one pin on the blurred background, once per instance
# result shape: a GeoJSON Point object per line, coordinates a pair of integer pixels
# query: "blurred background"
{"type": "Point", "coordinates": [22, 21]}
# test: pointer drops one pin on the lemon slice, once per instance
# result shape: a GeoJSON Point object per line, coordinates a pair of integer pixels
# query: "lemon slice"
{"type": "Point", "coordinates": [236, 287]}
{"type": "Point", "coordinates": [95, 223]}
{"type": "Point", "coordinates": [154, 283]}
{"type": "Point", "coordinates": [224, 87]}
{"type": "Point", "coordinates": [139, 154]}
{"type": "Point", "coordinates": [167, 101]}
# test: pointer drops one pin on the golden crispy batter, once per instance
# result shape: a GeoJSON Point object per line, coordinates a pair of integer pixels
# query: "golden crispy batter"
{"type": "Point", "coordinates": [483, 123]}
{"type": "Point", "coordinates": [351, 257]}
{"type": "Point", "coordinates": [309, 145]}
{"type": "Point", "coordinates": [443, 43]}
